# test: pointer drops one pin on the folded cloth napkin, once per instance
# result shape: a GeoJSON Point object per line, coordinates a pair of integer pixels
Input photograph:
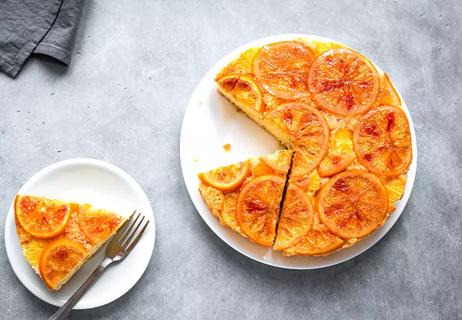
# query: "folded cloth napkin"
{"type": "Point", "coordinates": [36, 26]}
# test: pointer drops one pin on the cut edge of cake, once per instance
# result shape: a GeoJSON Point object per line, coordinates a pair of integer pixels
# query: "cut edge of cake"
{"type": "Point", "coordinates": [260, 118]}
{"type": "Point", "coordinates": [223, 204]}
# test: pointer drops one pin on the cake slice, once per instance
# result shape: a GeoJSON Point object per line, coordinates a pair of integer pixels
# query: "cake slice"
{"type": "Point", "coordinates": [58, 237]}
{"type": "Point", "coordinates": [301, 232]}
{"type": "Point", "coordinates": [247, 196]}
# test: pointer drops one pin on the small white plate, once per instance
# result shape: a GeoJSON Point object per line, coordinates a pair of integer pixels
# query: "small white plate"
{"type": "Point", "coordinates": [210, 121]}
{"type": "Point", "coordinates": [104, 186]}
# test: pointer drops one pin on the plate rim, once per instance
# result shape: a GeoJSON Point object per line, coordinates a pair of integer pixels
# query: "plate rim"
{"type": "Point", "coordinates": [221, 63]}
{"type": "Point", "coordinates": [101, 164]}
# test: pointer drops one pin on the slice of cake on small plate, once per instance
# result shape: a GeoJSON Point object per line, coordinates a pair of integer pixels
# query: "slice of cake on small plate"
{"type": "Point", "coordinates": [58, 237]}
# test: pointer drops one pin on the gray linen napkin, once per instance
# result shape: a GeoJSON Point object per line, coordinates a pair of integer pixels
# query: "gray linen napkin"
{"type": "Point", "coordinates": [36, 26]}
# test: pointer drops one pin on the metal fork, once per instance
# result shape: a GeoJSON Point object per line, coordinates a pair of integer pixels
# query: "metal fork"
{"type": "Point", "coordinates": [118, 248]}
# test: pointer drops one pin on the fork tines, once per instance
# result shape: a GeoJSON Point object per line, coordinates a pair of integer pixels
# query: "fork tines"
{"type": "Point", "coordinates": [128, 236]}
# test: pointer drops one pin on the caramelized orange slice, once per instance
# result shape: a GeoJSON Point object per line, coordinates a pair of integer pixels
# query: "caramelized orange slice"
{"type": "Point", "coordinates": [279, 161]}
{"type": "Point", "coordinates": [296, 218]}
{"type": "Point", "coordinates": [282, 69]}
{"type": "Point", "coordinates": [40, 217]}
{"type": "Point", "coordinates": [382, 141]}
{"type": "Point", "coordinates": [242, 88]}
{"type": "Point", "coordinates": [228, 214]}
{"type": "Point", "coordinates": [58, 261]}
{"type": "Point", "coordinates": [260, 168]}
{"type": "Point", "coordinates": [333, 164]}
{"type": "Point", "coordinates": [353, 204]}
{"type": "Point", "coordinates": [309, 181]}
{"type": "Point", "coordinates": [303, 173]}
{"type": "Point", "coordinates": [242, 65]}
{"type": "Point", "coordinates": [343, 82]}
{"type": "Point", "coordinates": [307, 128]}
{"type": "Point", "coordinates": [228, 178]}
{"type": "Point", "coordinates": [258, 208]}
{"type": "Point", "coordinates": [387, 93]}
{"type": "Point", "coordinates": [319, 47]}
{"type": "Point", "coordinates": [97, 225]}
{"type": "Point", "coordinates": [318, 241]}
{"type": "Point", "coordinates": [395, 189]}
{"type": "Point", "coordinates": [339, 155]}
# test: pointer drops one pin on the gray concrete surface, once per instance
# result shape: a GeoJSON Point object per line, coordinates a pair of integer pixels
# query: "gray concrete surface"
{"type": "Point", "coordinates": [122, 99]}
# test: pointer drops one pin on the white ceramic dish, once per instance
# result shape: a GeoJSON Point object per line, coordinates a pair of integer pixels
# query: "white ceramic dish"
{"type": "Point", "coordinates": [104, 186]}
{"type": "Point", "coordinates": [210, 121]}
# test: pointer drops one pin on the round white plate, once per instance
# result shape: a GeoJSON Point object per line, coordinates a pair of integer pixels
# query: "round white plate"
{"type": "Point", "coordinates": [104, 186]}
{"type": "Point", "coordinates": [210, 121]}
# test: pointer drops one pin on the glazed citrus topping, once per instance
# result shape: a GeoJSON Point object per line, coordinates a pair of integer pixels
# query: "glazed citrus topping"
{"type": "Point", "coordinates": [243, 65]}
{"type": "Point", "coordinates": [395, 189]}
{"type": "Point", "coordinates": [279, 161]}
{"type": "Point", "coordinates": [319, 47]}
{"type": "Point", "coordinates": [307, 127]}
{"type": "Point", "coordinates": [333, 164]}
{"type": "Point", "coordinates": [58, 259]}
{"type": "Point", "coordinates": [353, 204]}
{"type": "Point", "coordinates": [296, 218]}
{"type": "Point", "coordinates": [301, 170]}
{"type": "Point", "coordinates": [318, 241]}
{"type": "Point", "coordinates": [97, 226]}
{"type": "Point", "coordinates": [309, 182]}
{"type": "Point", "coordinates": [244, 89]}
{"type": "Point", "coordinates": [258, 208]}
{"type": "Point", "coordinates": [387, 93]}
{"type": "Point", "coordinates": [339, 155]}
{"type": "Point", "coordinates": [282, 69]}
{"type": "Point", "coordinates": [382, 141]}
{"type": "Point", "coordinates": [42, 219]}
{"type": "Point", "coordinates": [344, 82]}
{"type": "Point", "coordinates": [227, 178]}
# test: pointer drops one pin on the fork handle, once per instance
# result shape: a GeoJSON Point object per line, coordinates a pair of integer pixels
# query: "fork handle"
{"type": "Point", "coordinates": [65, 310]}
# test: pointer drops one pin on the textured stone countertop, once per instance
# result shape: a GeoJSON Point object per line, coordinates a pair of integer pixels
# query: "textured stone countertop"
{"type": "Point", "coordinates": [122, 100]}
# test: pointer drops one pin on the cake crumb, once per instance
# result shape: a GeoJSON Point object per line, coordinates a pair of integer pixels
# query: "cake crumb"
{"type": "Point", "coordinates": [227, 147]}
